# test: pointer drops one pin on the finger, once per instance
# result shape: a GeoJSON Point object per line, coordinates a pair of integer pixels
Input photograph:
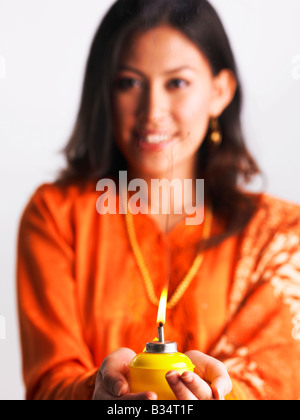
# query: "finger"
{"type": "Point", "coordinates": [212, 371]}
{"type": "Point", "coordinates": [114, 372]}
{"type": "Point", "coordinates": [219, 378]}
{"type": "Point", "coordinates": [221, 387]}
{"type": "Point", "coordinates": [196, 389]}
{"type": "Point", "coordinates": [180, 390]}
{"type": "Point", "coordinates": [102, 395]}
{"type": "Point", "coordinates": [139, 397]}
{"type": "Point", "coordinates": [197, 386]}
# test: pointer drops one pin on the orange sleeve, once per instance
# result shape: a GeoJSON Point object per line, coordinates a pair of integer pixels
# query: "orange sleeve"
{"type": "Point", "coordinates": [57, 363]}
{"type": "Point", "coordinates": [264, 363]}
{"type": "Point", "coordinates": [261, 344]}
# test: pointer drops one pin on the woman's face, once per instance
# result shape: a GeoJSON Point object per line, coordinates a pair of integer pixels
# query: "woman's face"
{"type": "Point", "coordinates": [163, 100]}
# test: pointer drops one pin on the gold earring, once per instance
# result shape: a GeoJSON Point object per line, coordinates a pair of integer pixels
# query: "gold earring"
{"type": "Point", "coordinates": [215, 134]}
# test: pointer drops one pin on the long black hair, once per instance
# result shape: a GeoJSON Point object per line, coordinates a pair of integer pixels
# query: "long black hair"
{"type": "Point", "coordinates": [92, 152]}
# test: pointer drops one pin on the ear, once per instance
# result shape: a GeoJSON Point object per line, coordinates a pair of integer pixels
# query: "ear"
{"type": "Point", "coordinates": [224, 88]}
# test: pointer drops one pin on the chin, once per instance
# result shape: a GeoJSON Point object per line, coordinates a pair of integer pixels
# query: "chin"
{"type": "Point", "coordinates": [155, 170]}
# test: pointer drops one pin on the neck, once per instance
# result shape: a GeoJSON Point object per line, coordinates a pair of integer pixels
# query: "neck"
{"type": "Point", "coordinates": [169, 195]}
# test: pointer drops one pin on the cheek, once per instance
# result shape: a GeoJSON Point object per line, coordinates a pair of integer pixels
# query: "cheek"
{"type": "Point", "coordinates": [123, 116]}
{"type": "Point", "coordinates": [120, 108]}
{"type": "Point", "coordinates": [193, 115]}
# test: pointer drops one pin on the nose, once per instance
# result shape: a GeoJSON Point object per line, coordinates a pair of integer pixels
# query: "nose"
{"type": "Point", "coordinates": [154, 105]}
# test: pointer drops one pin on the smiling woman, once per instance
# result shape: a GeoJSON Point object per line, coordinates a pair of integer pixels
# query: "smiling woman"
{"type": "Point", "coordinates": [189, 38]}
{"type": "Point", "coordinates": [161, 100]}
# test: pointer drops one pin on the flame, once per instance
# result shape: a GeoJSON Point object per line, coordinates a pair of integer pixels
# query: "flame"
{"type": "Point", "coordinates": [161, 314]}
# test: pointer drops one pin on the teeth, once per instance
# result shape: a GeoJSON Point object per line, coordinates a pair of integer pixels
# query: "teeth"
{"type": "Point", "coordinates": [155, 139]}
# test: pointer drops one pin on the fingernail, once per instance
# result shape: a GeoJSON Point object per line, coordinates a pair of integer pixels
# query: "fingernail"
{"type": "Point", "coordinates": [117, 390]}
{"type": "Point", "coordinates": [172, 377]}
{"type": "Point", "coordinates": [218, 394]}
{"type": "Point", "coordinates": [152, 396]}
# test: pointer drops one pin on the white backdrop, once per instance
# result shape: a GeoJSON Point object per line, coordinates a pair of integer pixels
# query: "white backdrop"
{"type": "Point", "coordinates": [43, 49]}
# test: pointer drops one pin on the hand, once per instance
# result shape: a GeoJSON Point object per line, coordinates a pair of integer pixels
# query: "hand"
{"type": "Point", "coordinates": [210, 380]}
{"type": "Point", "coordinates": [112, 379]}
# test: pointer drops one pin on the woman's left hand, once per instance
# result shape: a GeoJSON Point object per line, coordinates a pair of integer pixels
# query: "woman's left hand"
{"type": "Point", "coordinates": [209, 382]}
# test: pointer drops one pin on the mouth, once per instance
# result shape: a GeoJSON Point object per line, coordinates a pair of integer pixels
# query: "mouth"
{"type": "Point", "coordinates": [155, 140]}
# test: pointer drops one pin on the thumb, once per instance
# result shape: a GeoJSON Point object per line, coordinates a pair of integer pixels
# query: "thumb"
{"type": "Point", "coordinates": [114, 371]}
{"type": "Point", "coordinates": [221, 387]}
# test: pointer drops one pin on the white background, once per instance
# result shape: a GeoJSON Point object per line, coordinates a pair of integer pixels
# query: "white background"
{"type": "Point", "coordinates": [43, 50]}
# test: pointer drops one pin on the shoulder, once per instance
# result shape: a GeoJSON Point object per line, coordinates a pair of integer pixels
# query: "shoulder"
{"type": "Point", "coordinates": [278, 210]}
{"type": "Point", "coordinates": [53, 195]}
{"type": "Point", "coordinates": [274, 230]}
{"type": "Point", "coordinates": [64, 193]}
{"type": "Point", "coordinates": [274, 215]}
{"type": "Point", "coordinates": [272, 235]}
{"type": "Point", "coordinates": [54, 203]}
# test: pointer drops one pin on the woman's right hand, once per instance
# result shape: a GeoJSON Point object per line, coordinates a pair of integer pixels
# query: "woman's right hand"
{"type": "Point", "coordinates": [112, 379]}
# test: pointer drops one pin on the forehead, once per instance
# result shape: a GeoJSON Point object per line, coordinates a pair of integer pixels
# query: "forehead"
{"type": "Point", "coordinates": [162, 47]}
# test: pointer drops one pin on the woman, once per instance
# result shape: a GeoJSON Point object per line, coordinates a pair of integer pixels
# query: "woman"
{"type": "Point", "coordinates": [161, 100]}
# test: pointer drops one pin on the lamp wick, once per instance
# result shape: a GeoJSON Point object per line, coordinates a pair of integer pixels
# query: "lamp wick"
{"type": "Point", "coordinates": [161, 333]}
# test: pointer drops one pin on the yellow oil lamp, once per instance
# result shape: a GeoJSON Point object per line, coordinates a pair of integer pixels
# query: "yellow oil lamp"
{"type": "Point", "coordinates": [148, 369]}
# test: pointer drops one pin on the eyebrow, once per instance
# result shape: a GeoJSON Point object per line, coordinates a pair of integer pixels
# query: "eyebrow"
{"type": "Point", "coordinates": [168, 72]}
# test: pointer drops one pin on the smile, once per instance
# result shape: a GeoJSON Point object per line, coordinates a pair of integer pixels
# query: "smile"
{"type": "Point", "coordinates": [155, 138]}
{"type": "Point", "coordinates": [151, 140]}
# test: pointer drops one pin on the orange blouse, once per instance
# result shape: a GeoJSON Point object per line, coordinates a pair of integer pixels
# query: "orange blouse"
{"type": "Point", "coordinates": [81, 295]}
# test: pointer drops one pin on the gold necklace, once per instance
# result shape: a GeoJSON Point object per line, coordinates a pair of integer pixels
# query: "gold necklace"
{"type": "Point", "coordinates": [182, 287]}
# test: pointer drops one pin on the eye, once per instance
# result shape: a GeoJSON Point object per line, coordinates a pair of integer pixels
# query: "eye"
{"type": "Point", "coordinates": [127, 83]}
{"type": "Point", "coordinates": [177, 84]}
